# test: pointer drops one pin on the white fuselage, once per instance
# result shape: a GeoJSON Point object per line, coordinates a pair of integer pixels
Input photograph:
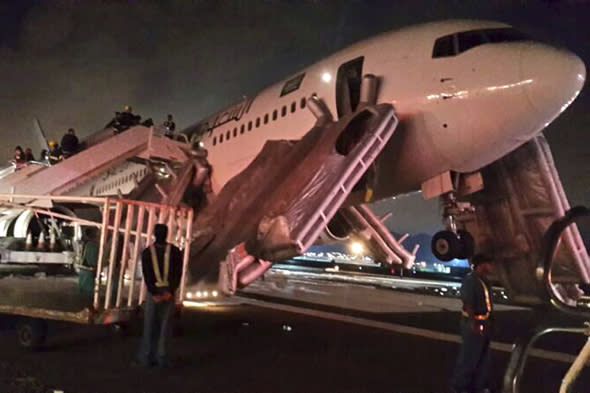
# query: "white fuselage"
{"type": "Point", "coordinates": [458, 112]}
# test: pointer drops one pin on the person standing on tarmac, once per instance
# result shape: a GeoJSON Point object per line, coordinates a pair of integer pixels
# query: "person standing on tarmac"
{"type": "Point", "coordinates": [162, 270]}
{"type": "Point", "coordinates": [69, 143]}
{"type": "Point", "coordinates": [88, 264]}
{"type": "Point", "coordinates": [473, 363]}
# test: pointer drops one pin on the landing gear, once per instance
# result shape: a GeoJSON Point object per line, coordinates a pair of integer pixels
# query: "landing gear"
{"type": "Point", "coordinates": [452, 243]}
{"type": "Point", "coordinates": [445, 245]}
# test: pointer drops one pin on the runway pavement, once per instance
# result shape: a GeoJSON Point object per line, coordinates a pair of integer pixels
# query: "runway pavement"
{"type": "Point", "coordinates": [283, 335]}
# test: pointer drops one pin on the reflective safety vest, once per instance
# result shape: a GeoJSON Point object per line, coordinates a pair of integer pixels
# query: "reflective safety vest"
{"type": "Point", "coordinates": [486, 294]}
{"type": "Point", "coordinates": [161, 279]}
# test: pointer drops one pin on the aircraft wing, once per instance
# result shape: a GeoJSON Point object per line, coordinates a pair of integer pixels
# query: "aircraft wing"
{"type": "Point", "coordinates": [277, 207]}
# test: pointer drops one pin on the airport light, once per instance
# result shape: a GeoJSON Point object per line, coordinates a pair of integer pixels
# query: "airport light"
{"type": "Point", "coordinates": [356, 248]}
{"type": "Point", "coordinates": [326, 77]}
{"type": "Point", "coordinates": [189, 295]}
{"type": "Point", "coordinates": [214, 293]}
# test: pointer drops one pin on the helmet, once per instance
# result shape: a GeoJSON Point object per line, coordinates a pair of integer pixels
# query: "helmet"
{"type": "Point", "coordinates": [127, 108]}
{"type": "Point", "coordinates": [52, 143]}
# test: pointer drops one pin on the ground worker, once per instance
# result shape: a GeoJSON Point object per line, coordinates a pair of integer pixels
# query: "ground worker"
{"type": "Point", "coordinates": [88, 264]}
{"type": "Point", "coordinates": [473, 364]}
{"type": "Point", "coordinates": [162, 269]}
{"type": "Point", "coordinates": [69, 143]}
{"type": "Point", "coordinates": [170, 127]}
{"type": "Point", "coordinates": [55, 154]}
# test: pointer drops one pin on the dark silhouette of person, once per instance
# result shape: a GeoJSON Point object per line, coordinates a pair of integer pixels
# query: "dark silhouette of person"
{"type": "Point", "coordinates": [69, 143]}
{"type": "Point", "coordinates": [162, 270]}
{"type": "Point", "coordinates": [473, 363]}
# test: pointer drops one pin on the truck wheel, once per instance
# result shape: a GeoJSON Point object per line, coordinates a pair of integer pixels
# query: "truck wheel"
{"type": "Point", "coordinates": [31, 333]}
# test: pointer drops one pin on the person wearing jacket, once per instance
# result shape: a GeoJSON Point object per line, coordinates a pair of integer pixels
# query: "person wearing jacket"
{"type": "Point", "coordinates": [162, 271]}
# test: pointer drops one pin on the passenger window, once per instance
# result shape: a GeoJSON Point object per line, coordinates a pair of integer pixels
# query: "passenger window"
{"type": "Point", "coordinates": [266, 118]}
{"type": "Point", "coordinates": [257, 122]}
{"type": "Point", "coordinates": [235, 131]}
{"type": "Point", "coordinates": [283, 111]}
{"type": "Point", "coordinates": [214, 140]}
{"type": "Point", "coordinates": [303, 102]}
{"type": "Point", "coordinates": [444, 46]}
{"type": "Point", "coordinates": [227, 134]}
{"type": "Point", "coordinates": [242, 129]}
{"type": "Point", "coordinates": [249, 126]}
{"type": "Point", "coordinates": [274, 114]}
{"type": "Point", "coordinates": [293, 107]}
{"type": "Point", "coordinates": [220, 138]}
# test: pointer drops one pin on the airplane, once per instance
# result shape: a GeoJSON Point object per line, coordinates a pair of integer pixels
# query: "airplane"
{"type": "Point", "coordinates": [460, 95]}
{"type": "Point", "coordinates": [466, 94]}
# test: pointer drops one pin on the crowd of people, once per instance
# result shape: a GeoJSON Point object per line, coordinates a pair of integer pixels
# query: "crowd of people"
{"type": "Point", "coordinates": [70, 144]}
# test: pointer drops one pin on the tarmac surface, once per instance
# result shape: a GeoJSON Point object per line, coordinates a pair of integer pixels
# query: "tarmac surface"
{"type": "Point", "coordinates": [286, 335]}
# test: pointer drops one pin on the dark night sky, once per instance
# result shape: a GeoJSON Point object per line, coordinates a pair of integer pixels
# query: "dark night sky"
{"type": "Point", "coordinates": [73, 63]}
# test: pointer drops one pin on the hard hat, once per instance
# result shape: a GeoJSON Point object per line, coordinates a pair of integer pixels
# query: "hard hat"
{"type": "Point", "coordinates": [52, 143]}
{"type": "Point", "coordinates": [127, 108]}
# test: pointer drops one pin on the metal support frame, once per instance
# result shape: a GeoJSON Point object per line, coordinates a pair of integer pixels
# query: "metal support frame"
{"type": "Point", "coordinates": [521, 352]}
{"type": "Point", "coordinates": [119, 218]}
{"type": "Point", "coordinates": [523, 346]}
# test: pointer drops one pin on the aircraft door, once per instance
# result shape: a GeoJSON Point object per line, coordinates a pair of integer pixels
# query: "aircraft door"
{"type": "Point", "coordinates": [348, 86]}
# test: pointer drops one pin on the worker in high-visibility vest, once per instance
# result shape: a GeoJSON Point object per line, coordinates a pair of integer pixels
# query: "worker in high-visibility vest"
{"type": "Point", "coordinates": [162, 270]}
{"type": "Point", "coordinates": [472, 371]}
{"type": "Point", "coordinates": [88, 263]}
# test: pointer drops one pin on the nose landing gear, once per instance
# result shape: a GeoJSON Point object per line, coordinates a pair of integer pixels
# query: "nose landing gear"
{"type": "Point", "coordinates": [452, 243]}
{"type": "Point", "coordinates": [448, 245]}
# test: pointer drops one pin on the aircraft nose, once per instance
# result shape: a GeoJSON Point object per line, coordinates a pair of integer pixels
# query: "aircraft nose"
{"type": "Point", "coordinates": [553, 78]}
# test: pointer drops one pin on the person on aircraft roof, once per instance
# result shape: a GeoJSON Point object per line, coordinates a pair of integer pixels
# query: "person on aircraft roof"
{"type": "Point", "coordinates": [55, 154]}
{"type": "Point", "coordinates": [69, 143]}
{"type": "Point", "coordinates": [19, 155]}
{"type": "Point", "coordinates": [170, 127]}
{"type": "Point", "coordinates": [124, 120]}
{"type": "Point", "coordinates": [29, 154]}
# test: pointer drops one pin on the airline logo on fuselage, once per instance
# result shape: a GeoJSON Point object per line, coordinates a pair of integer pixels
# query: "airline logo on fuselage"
{"type": "Point", "coordinates": [234, 113]}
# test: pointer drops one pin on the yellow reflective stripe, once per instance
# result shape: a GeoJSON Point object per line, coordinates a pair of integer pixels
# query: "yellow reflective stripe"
{"type": "Point", "coordinates": [486, 294]}
{"type": "Point", "coordinates": [167, 263]}
{"type": "Point", "coordinates": [155, 266]}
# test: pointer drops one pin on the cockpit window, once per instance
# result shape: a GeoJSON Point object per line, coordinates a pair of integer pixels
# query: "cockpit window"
{"type": "Point", "coordinates": [444, 46]}
{"type": "Point", "coordinates": [455, 44]}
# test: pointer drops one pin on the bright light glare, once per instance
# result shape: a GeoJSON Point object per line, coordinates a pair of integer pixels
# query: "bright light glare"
{"type": "Point", "coordinates": [205, 294]}
{"type": "Point", "coordinates": [356, 248]}
{"type": "Point", "coordinates": [189, 295]}
{"type": "Point", "coordinates": [199, 294]}
{"type": "Point", "coordinates": [326, 77]}
{"type": "Point", "coordinates": [214, 293]}
{"type": "Point", "coordinates": [201, 144]}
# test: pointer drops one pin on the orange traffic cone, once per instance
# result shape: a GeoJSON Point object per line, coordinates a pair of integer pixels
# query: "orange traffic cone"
{"type": "Point", "coordinates": [29, 241]}
{"type": "Point", "coordinates": [41, 242]}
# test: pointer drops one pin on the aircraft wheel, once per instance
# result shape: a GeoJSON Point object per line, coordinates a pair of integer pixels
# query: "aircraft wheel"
{"type": "Point", "coordinates": [466, 244]}
{"type": "Point", "coordinates": [445, 245]}
{"type": "Point", "coordinates": [31, 333]}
